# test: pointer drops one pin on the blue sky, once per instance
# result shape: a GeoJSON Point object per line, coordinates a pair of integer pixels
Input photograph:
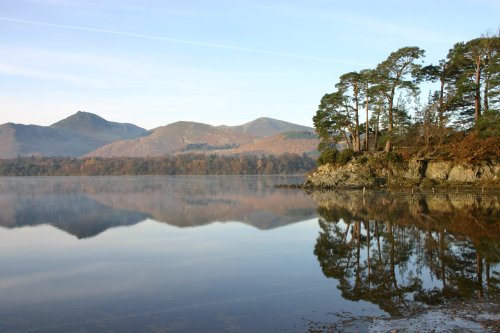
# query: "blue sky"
{"type": "Point", "coordinates": [152, 62]}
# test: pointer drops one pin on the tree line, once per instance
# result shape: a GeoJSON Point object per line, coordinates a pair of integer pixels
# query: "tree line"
{"type": "Point", "coordinates": [185, 164]}
{"type": "Point", "coordinates": [466, 98]}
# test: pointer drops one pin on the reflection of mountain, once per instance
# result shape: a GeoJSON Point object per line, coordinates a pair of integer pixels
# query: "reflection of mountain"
{"type": "Point", "coordinates": [380, 246]}
{"type": "Point", "coordinates": [85, 207]}
{"type": "Point", "coordinates": [194, 201]}
{"type": "Point", "coordinates": [74, 213]}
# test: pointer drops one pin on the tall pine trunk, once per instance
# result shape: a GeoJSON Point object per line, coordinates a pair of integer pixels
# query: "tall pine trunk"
{"type": "Point", "coordinates": [486, 85]}
{"type": "Point", "coordinates": [367, 137]}
{"type": "Point", "coordinates": [388, 143]}
{"type": "Point", "coordinates": [349, 144]}
{"type": "Point", "coordinates": [357, 144]}
{"type": "Point", "coordinates": [477, 97]}
{"type": "Point", "coordinates": [441, 104]}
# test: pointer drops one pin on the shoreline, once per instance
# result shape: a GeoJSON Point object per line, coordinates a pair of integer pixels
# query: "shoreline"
{"type": "Point", "coordinates": [374, 172]}
{"type": "Point", "coordinates": [456, 315]}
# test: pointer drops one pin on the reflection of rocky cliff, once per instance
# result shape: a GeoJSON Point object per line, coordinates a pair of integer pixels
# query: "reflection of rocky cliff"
{"type": "Point", "coordinates": [402, 251]}
{"type": "Point", "coordinates": [470, 215]}
{"type": "Point", "coordinates": [85, 207]}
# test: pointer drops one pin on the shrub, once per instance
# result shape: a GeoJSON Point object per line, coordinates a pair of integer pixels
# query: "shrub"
{"type": "Point", "coordinates": [328, 155]}
{"type": "Point", "coordinates": [333, 156]}
{"type": "Point", "coordinates": [345, 156]}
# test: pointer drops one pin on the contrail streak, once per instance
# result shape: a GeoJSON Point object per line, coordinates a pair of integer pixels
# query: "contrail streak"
{"type": "Point", "coordinates": [178, 41]}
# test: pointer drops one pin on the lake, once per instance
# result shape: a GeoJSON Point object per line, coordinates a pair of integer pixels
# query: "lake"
{"type": "Point", "coordinates": [234, 254]}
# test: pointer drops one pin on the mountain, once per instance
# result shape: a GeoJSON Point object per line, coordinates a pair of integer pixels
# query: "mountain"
{"type": "Point", "coordinates": [32, 140]}
{"type": "Point", "coordinates": [264, 127]}
{"type": "Point", "coordinates": [93, 126]}
{"type": "Point", "coordinates": [174, 138]}
{"type": "Point", "coordinates": [74, 136]}
{"type": "Point", "coordinates": [261, 136]}
{"type": "Point", "coordinates": [87, 134]}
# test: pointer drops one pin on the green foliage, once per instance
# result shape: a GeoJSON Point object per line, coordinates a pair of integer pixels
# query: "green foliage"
{"type": "Point", "coordinates": [488, 124]}
{"type": "Point", "coordinates": [474, 83]}
{"type": "Point", "coordinates": [330, 118]}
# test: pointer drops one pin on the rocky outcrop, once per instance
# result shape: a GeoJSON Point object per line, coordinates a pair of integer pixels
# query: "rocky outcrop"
{"type": "Point", "coordinates": [462, 173]}
{"type": "Point", "coordinates": [375, 171]}
{"type": "Point", "coordinates": [350, 175]}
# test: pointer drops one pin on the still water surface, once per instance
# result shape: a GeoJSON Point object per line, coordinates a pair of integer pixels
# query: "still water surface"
{"type": "Point", "coordinates": [230, 254]}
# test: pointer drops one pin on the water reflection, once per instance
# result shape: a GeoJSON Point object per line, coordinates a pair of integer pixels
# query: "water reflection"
{"type": "Point", "coordinates": [403, 252]}
{"type": "Point", "coordinates": [87, 206]}
{"type": "Point", "coordinates": [381, 254]}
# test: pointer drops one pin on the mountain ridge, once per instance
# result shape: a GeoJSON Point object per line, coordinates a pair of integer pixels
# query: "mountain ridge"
{"type": "Point", "coordinates": [92, 125]}
{"type": "Point", "coordinates": [34, 140]}
{"type": "Point", "coordinates": [85, 134]}
{"type": "Point", "coordinates": [266, 126]}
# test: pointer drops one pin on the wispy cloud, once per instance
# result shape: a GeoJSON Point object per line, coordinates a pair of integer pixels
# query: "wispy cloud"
{"type": "Point", "coordinates": [136, 6]}
{"type": "Point", "coordinates": [98, 71]}
{"type": "Point", "coordinates": [56, 2]}
{"type": "Point", "coordinates": [357, 19]}
{"type": "Point", "coordinates": [7, 69]}
{"type": "Point", "coordinates": [181, 41]}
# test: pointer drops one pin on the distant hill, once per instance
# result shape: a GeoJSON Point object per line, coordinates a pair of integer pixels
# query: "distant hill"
{"type": "Point", "coordinates": [74, 136]}
{"type": "Point", "coordinates": [287, 142]}
{"type": "Point", "coordinates": [264, 127]}
{"type": "Point", "coordinates": [174, 138]}
{"type": "Point", "coordinates": [92, 125]}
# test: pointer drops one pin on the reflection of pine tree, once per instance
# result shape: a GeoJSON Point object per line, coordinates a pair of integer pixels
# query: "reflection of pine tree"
{"type": "Point", "coordinates": [382, 261]}
{"type": "Point", "coordinates": [339, 250]}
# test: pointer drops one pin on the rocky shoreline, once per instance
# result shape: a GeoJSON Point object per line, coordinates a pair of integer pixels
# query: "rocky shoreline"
{"type": "Point", "coordinates": [374, 171]}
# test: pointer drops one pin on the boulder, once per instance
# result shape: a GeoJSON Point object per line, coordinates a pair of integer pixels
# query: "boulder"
{"type": "Point", "coordinates": [463, 173]}
{"type": "Point", "coordinates": [486, 172]}
{"type": "Point", "coordinates": [438, 170]}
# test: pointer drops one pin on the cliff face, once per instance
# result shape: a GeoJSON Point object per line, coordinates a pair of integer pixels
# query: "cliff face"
{"type": "Point", "coordinates": [374, 171]}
